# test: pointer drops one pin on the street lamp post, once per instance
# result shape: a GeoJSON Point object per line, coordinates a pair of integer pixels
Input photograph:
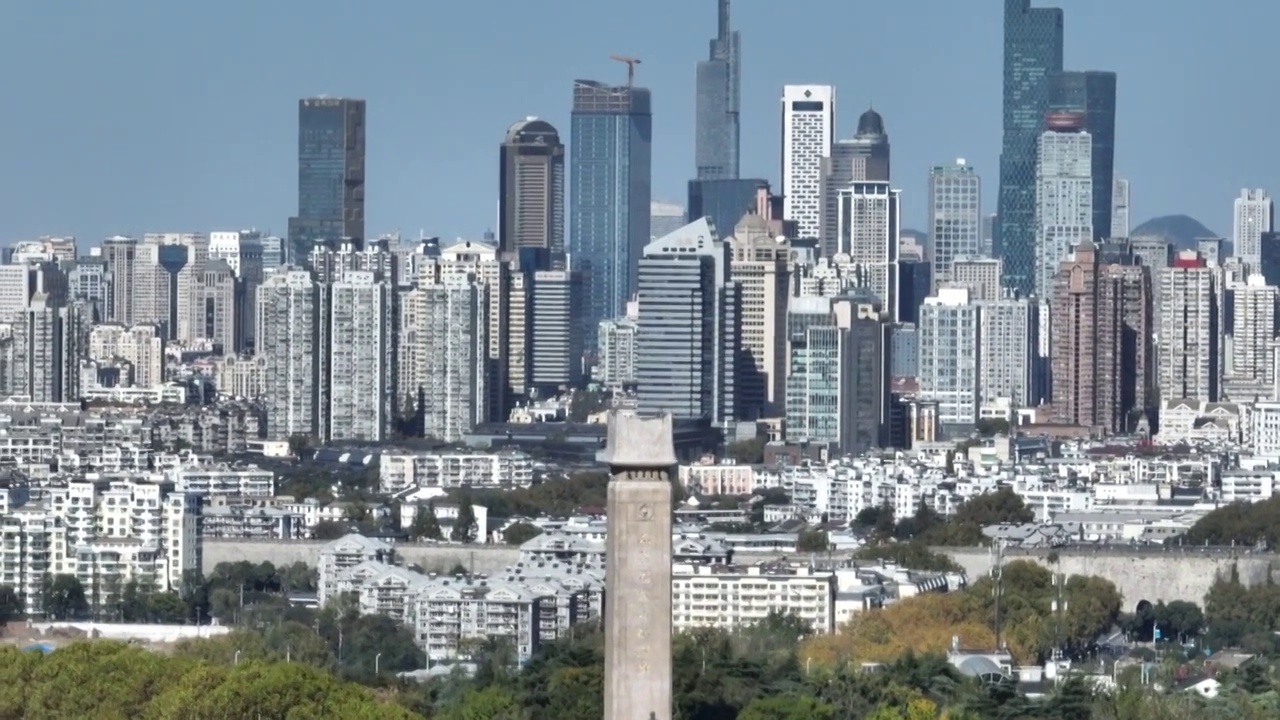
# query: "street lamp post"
{"type": "Point", "coordinates": [377, 664]}
{"type": "Point", "coordinates": [236, 660]}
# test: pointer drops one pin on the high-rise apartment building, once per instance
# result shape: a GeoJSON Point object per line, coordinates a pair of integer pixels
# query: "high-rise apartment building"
{"type": "Point", "coordinates": [617, 353]}
{"type": "Point", "coordinates": [688, 334]}
{"type": "Point", "coordinates": [868, 233]}
{"type": "Point", "coordinates": [1064, 195]}
{"type": "Point", "coordinates": [1100, 341]}
{"type": "Point", "coordinates": [1008, 333]}
{"type": "Point", "coordinates": [1253, 215]}
{"type": "Point", "coordinates": [331, 173]}
{"type": "Point", "coordinates": [1092, 94]}
{"type": "Point", "coordinates": [481, 261]}
{"type": "Point", "coordinates": [141, 347]}
{"type": "Point", "coordinates": [1032, 56]}
{"type": "Point", "coordinates": [718, 102]}
{"type": "Point", "coordinates": [758, 265]}
{"type": "Point", "coordinates": [949, 361]}
{"type": "Point", "coordinates": [955, 217]}
{"type": "Point", "coordinates": [48, 343]}
{"type": "Point", "coordinates": [1120, 208]}
{"type": "Point", "coordinates": [1191, 329]}
{"type": "Point", "coordinates": [531, 204]}
{"type": "Point", "coordinates": [808, 127]}
{"type": "Point", "coordinates": [120, 252]}
{"type": "Point", "coordinates": [450, 343]}
{"type": "Point", "coordinates": [288, 327]}
{"type": "Point", "coordinates": [1251, 370]}
{"type": "Point", "coordinates": [611, 135]}
{"type": "Point", "coordinates": [357, 358]}
{"type": "Point", "coordinates": [89, 280]}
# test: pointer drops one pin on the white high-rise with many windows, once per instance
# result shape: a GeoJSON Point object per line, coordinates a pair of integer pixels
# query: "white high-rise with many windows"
{"type": "Point", "coordinates": [1253, 215]}
{"type": "Point", "coordinates": [950, 370]}
{"type": "Point", "coordinates": [357, 359]}
{"type": "Point", "coordinates": [1120, 208]}
{"type": "Point", "coordinates": [955, 216]}
{"type": "Point", "coordinates": [1064, 198]}
{"type": "Point", "coordinates": [287, 343]}
{"type": "Point", "coordinates": [868, 234]}
{"type": "Point", "coordinates": [808, 126]}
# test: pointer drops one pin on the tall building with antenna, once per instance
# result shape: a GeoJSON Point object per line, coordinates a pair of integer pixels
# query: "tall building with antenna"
{"type": "Point", "coordinates": [611, 131]}
{"type": "Point", "coordinates": [718, 102]}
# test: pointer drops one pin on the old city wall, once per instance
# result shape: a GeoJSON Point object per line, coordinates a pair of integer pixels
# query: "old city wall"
{"type": "Point", "coordinates": [1139, 573]}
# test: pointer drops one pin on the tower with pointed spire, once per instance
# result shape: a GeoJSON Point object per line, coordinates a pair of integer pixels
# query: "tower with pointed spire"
{"type": "Point", "coordinates": [716, 143]}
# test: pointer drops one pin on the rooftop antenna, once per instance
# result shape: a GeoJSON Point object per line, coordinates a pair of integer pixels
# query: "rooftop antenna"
{"type": "Point", "coordinates": [631, 67]}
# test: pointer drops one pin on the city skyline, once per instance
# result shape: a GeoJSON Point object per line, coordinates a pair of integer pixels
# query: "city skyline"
{"type": "Point", "coordinates": [66, 158]}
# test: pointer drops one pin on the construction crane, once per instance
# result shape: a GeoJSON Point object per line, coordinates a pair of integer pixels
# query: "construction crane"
{"type": "Point", "coordinates": [631, 67]}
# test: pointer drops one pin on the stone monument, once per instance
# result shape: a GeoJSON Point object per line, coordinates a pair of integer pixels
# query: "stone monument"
{"type": "Point", "coordinates": [637, 600]}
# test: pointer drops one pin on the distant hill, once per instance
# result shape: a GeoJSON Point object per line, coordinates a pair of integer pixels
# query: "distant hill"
{"type": "Point", "coordinates": [1180, 230]}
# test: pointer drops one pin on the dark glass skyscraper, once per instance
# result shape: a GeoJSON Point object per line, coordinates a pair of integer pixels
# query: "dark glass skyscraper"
{"type": "Point", "coordinates": [724, 201]}
{"type": "Point", "coordinates": [330, 173]}
{"type": "Point", "coordinates": [1032, 57]}
{"type": "Point", "coordinates": [610, 136]}
{"type": "Point", "coordinates": [716, 142]}
{"type": "Point", "coordinates": [1094, 94]}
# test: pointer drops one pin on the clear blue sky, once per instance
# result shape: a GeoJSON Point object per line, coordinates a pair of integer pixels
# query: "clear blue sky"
{"type": "Point", "coordinates": [151, 115]}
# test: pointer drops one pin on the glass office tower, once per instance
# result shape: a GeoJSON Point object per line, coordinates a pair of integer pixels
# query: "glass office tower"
{"type": "Point", "coordinates": [330, 173]}
{"type": "Point", "coordinates": [1032, 56]}
{"type": "Point", "coordinates": [716, 143]}
{"type": "Point", "coordinates": [609, 186]}
{"type": "Point", "coordinates": [1093, 93]}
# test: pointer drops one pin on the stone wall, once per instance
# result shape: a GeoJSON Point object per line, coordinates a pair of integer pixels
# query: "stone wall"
{"type": "Point", "coordinates": [1139, 573]}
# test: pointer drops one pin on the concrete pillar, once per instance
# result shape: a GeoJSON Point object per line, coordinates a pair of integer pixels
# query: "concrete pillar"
{"type": "Point", "coordinates": [637, 612]}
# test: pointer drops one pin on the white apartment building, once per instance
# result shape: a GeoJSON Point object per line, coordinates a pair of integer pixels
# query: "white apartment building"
{"type": "Point", "coordinates": [1064, 198]}
{"type": "Point", "coordinates": [224, 479]}
{"type": "Point", "coordinates": [1266, 429]}
{"type": "Point", "coordinates": [868, 224]}
{"type": "Point", "coordinates": [1120, 208]}
{"type": "Point", "coordinates": [1252, 362]}
{"type": "Point", "coordinates": [235, 247]}
{"type": "Point", "coordinates": [122, 530]}
{"type": "Point", "coordinates": [450, 614]}
{"type": "Point", "coordinates": [356, 358]}
{"type": "Point", "coordinates": [981, 275]}
{"type": "Point", "coordinates": [808, 127]}
{"type": "Point", "coordinates": [1253, 214]}
{"type": "Point", "coordinates": [734, 597]}
{"type": "Point", "coordinates": [617, 341]}
{"type": "Point", "coordinates": [1188, 359]}
{"type": "Point", "coordinates": [1007, 341]}
{"type": "Point", "coordinates": [949, 359]}
{"type": "Point", "coordinates": [400, 472]}
{"type": "Point", "coordinates": [287, 305]}
{"type": "Point", "coordinates": [344, 553]}
{"type": "Point", "coordinates": [33, 546]}
{"type": "Point", "coordinates": [142, 346]}
{"type": "Point", "coordinates": [725, 478]}
{"type": "Point", "coordinates": [239, 376]}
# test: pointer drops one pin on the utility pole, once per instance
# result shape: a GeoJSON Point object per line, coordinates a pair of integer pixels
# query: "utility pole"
{"type": "Point", "coordinates": [999, 588]}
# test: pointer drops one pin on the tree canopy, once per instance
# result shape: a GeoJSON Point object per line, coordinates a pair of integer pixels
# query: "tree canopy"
{"type": "Point", "coordinates": [1239, 523]}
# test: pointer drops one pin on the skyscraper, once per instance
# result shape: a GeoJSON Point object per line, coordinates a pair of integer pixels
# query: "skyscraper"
{"type": "Point", "coordinates": [1253, 215]}
{"type": "Point", "coordinates": [868, 234]}
{"type": "Point", "coordinates": [716, 142]}
{"type": "Point", "coordinates": [330, 173]}
{"type": "Point", "coordinates": [1191, 324]}
{"type": "Point", "coordinates": [287, 336]}
{"type": "Point", "coordinates": [808, 122]}
{"type": "Point", "coordinates": [1093, 94]}
{"type": "Point", "coordinates": [611, 131]}
{"type": "Point", "coordinates": [863, 157]}
{"type": "Point", "coordinates": [1120, 208]}
{"type": "Point", "coordinates": [357, 358]}
{"type": "Point", "coordinates": [1032, 56]}
{"type": "Point", "coordinates": [950, 369]}
{"type": "Point", "coordinates": [1064, 195]}
{"type": "Point", "coordinates": [759, 265]}
{"type": "Point", "coordinates": [531, 206]}
{"type": "Point", "coordinates": [955, 216]}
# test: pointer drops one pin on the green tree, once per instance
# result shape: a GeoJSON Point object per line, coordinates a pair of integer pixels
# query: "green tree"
{"type": "Point", "coordinates": [813, 541]}
{"type": "Point", "coordinates": [425, 525]}
{"type": "Point", "coordinates": [464, 528]}
{"type": "Point", "coordinates": [328, 530]}
{"type": "Point", "coordinates": [783, 707]}
{"type": "Point", "coordinates": [65, 598]}
{"type": "Point", "coordinates": [747, 452]}
{"type": "Point", "coordinates": [11, 605]}
{"type": "Point", "coordinates": [914, 555]}
{"type": "Point", "coordinates": [1179, 619]}
{"type": "Point", "coordinates": [491, 703]}
{"type": "Point", "coordinates": [520, 533]}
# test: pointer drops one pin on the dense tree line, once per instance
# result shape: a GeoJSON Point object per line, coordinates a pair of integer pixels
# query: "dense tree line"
{"type": "Point", "coordinates": [115, 680]}
{"type": "Point", "coordinates": [928, 528]}
{"type": "Point", "coordinates": [556, 498]}
{"type": "Point", "coordinates": [1239, 523]}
